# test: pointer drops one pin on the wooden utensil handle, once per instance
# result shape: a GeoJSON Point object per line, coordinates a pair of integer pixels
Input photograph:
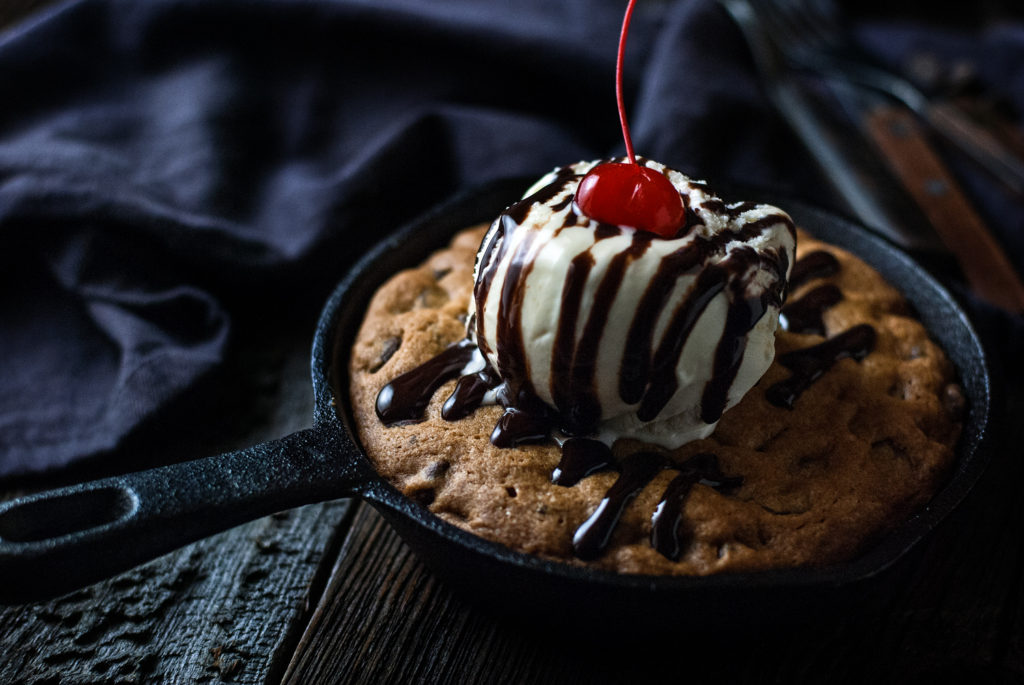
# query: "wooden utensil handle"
{"type": "Point", "coordinates": [985, 265]}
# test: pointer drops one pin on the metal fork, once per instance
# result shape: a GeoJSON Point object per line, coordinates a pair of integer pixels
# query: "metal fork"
{"type": "Point", "coordinates": [811, 37]}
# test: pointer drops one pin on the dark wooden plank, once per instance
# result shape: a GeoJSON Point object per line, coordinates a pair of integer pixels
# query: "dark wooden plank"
{"type": "Point", "coordinates": [220, 609]}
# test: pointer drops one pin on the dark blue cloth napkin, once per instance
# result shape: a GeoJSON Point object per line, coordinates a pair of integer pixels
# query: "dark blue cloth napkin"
{"type": "Point", "coordinates": [163, 161]}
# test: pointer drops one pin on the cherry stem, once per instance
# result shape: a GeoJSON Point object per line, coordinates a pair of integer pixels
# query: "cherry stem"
{"type": "Point", "coordinates": [618, 82]}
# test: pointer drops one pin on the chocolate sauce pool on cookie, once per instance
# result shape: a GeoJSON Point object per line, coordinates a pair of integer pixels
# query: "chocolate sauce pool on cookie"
{"type": "Point", "coordinates": [817, 264]}
{"type": "Point", "coordinates": [808, 364]}
{"type": "Point", "coordinates": [580, 458]}
{"type": "Point", "coordinates": [805, 315]}
{"type": "Point", "coordinates": [404, 399]}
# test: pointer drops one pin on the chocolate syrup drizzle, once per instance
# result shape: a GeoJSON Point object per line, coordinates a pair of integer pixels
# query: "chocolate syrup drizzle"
{"type": "Point", "coordinates": [813, 265]}
{"type": "Point", "coordinates": [805, 315]}
{"type": "Point", "coordinates": [403, 400]}
{"type": "Point", "coordinates": [646, 378]}
{"type": "Point", "coordinates": [666, 523]}
{"type": "Point", "coordinates": [635, 472]}
{"type": "Point", "coordinates": [810, 363]}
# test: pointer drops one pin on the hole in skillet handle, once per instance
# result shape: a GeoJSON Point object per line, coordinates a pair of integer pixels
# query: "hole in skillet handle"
{"type": "Point", "coordinates": [521, 586]}
{"type": "Point", "coordinates": [65, 514]}
{"type": "Point", "coordinates": [57, 541]}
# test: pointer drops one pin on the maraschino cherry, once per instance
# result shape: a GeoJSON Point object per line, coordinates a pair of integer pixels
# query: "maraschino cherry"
{"type": "Point", "coordinates": [626, 193]}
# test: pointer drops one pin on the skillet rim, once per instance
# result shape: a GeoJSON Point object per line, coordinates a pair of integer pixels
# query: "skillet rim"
{"type": "Point", "coordinates": [411, 243]}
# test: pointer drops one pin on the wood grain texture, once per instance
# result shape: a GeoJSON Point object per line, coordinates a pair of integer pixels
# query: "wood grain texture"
{"type": "Point", "coordinates": [982, 259]}
{"type": "Point", "coordinates": [219, 609]}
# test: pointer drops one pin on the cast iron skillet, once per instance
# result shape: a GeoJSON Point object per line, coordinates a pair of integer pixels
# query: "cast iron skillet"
{"type": "Point", "coordinates": [57, 541]}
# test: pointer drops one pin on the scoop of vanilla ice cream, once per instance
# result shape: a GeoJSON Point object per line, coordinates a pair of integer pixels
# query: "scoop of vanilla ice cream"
{"type": "Point", "coordinates": [624, 333]}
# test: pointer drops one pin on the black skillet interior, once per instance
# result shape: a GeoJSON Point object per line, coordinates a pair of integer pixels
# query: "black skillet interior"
{"type": "Point", "coordinates": [527, 587]}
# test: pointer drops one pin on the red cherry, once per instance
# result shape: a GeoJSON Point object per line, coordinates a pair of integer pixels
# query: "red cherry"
{"type": "Point", "coordinates": [632, 195]}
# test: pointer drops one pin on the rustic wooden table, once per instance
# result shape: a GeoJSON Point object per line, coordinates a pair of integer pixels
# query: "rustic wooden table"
{"type": "Point", "coordinates": [329, 593]}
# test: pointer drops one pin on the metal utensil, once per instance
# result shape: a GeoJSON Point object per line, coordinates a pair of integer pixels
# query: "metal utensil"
{"type": "Point", "coordinates": [909, 159]}
{"type": "Point", "coordinates": [811, 36]}
{"type": "Point", "coordinates": [865, 195]}
{"type": "Point", "coordinates": [898, 136]}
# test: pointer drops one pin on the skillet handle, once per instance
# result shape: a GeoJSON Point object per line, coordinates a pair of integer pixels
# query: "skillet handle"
{"type": "Point", "coordinates": [57, 541]}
